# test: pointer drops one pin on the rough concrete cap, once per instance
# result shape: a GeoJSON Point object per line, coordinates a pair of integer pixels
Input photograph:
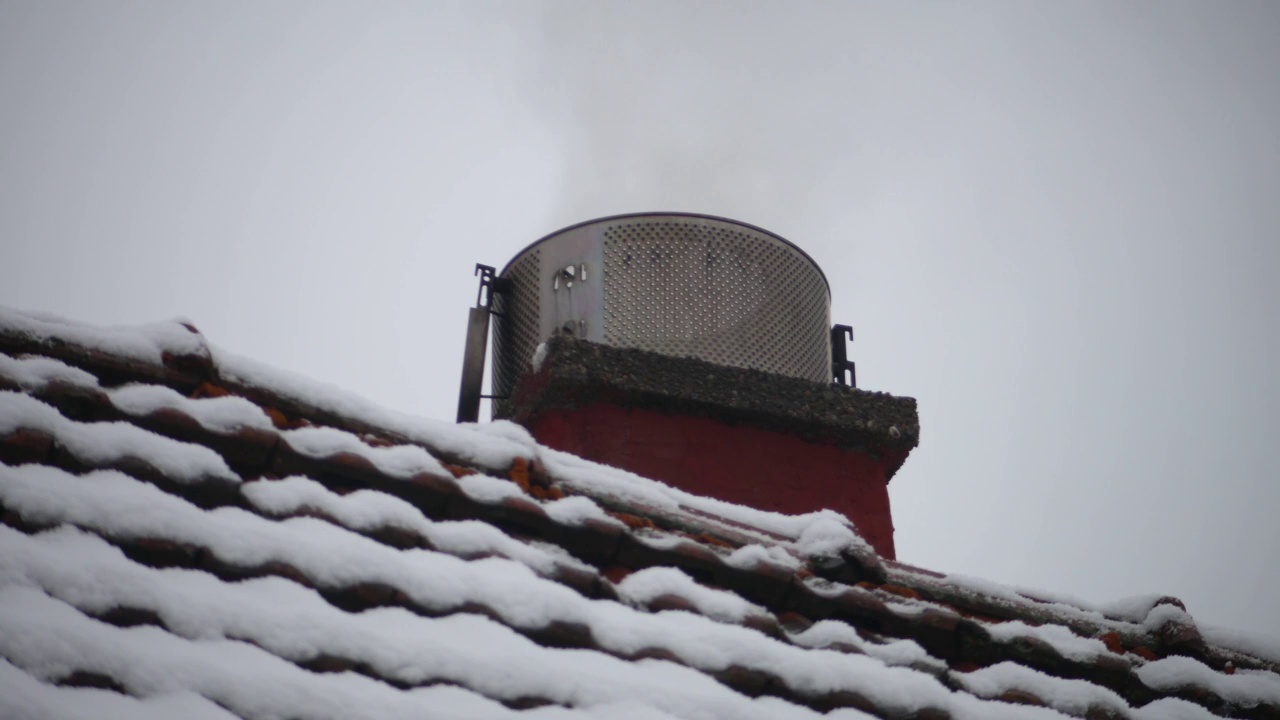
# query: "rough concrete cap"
{"type": "Point", "coordinates": [574, 373]}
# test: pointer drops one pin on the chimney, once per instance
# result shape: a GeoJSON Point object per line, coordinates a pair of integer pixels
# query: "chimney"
{"type": "Point", "coordinates": [699, 351]}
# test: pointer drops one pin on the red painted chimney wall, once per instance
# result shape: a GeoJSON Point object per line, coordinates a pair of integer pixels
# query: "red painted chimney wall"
{"type": "Point", "coordinates": [756, 439]}
{"type": "Point", "coordinates": [741, 464]}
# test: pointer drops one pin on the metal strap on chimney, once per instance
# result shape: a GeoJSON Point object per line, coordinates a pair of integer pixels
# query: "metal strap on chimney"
{"type": "Point", "coordinates": [469, 393]}
{"type": "Point", "coordinates": [840, 362]}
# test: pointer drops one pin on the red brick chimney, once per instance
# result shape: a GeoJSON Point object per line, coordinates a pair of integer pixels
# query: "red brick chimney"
{"type": "Point", "coordinates": [753, 438]}
{"type": "Point", "coordinates": [697, 351]}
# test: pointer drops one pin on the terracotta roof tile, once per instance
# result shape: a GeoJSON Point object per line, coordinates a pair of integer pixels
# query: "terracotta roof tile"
{"type": "Point", "coordinates": [182, 529]}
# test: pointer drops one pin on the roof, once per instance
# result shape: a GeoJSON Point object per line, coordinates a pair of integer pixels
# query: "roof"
{"type": "Point", "coordinates": [188, 533]}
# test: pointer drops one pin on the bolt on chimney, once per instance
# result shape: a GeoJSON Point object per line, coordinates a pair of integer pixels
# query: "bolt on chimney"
{"type": "Point", "coordinates": [692, 349]}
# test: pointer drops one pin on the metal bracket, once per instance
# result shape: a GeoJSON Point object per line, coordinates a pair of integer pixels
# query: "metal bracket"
{"type": "Point", "coordinates": [477, 343]}
{"type": "Point", "coordinates": [840, 362]}
{"type": "Point", "coordinates": [568, 274]}
{"type": "Point", "coordinates": [490, 281]}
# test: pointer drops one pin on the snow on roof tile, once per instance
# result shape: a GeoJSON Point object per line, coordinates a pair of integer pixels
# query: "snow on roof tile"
{"type": "Point", "coordinates": [184, 532]}
{"type": "Point", "coordinates": [26, 698]}
{"type": "Point", "coordinates": [106, 443]}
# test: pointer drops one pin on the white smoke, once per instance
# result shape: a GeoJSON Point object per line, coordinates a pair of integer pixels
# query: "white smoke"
{"type": "Point", "coordinates": [704, 107]}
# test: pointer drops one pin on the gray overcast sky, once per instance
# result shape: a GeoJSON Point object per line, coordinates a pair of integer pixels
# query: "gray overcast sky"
{"type": "Point", "coordinates": [1053, 223]}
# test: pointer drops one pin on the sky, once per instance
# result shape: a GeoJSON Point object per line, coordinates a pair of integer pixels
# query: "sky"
{"type": "Point", "coordinates": [1054, 224]}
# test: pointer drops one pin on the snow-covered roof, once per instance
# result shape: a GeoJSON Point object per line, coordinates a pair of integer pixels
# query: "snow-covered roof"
{"type": "Point", "coordinates": [187, 533]}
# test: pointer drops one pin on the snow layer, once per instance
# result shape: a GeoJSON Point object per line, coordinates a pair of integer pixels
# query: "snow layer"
{"type": "Point", "coordinates": [644, 586]}
{"type": "Point", "coordinates": [1067, 643]}
{"type": "Point", "coordinates": [406, 461]}
{"type": "Point", "coordinates": [997, 591]}
{"type": "Point", "coordinates": [1058, 607]}
{"type": "Point", "coordinates": [221, 414]}
{"type": "Point", "coordinates": [35, 373]}
{"type": "Point", "coordinates": [116, 505]}
{"type": "Point", "coordinates": [493, 446]}
{"type": "Point", "coordinates": [1141, 614]}
{"type": "Point", "coordinates": [145, 343]}
{"type": "Point", "coordinates": [48, 638]}
{"type": "Point", "coordinates": [328, 558]}
{"type": "Point", "coordinates": [1167, 614]}
{"type": "Point", "coordinates": [297, 624]}
{"type": "Point", "coordinates": [399, 461]}
{"type": "Point", "coordinates": [753, 555]}
{"type": "Point", "coordinates": [577, 510]}
{"type": "Point", "coordinates": [368, 510]}
{"type": "Point", "coordinates": [1172, 709]}
{"type": "Point", "coordinates": [1132, 609]}
{"type": "Point", "coordinates": [574, 510]}
{"type": "Point", "coordinates": [826, 633]}
{"type": "Point", "coordinates": [489, 490]}
{"type": "Point", "coordinates": [1074, 697]}
{"type": "Point", "coordinates": [1259, 645]}
{"type": "Point", "coordinates": [829, 537]}
{"type": "Point", "coordinates": [1244, 688]}
{"type": "Point", "coordinates": [26, 698]}
{"type": "Point", "coordinates": [104, 443]}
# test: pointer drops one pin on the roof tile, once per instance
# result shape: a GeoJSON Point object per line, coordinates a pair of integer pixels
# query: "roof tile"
{"type": "Point", "coordinates": [186, 530]}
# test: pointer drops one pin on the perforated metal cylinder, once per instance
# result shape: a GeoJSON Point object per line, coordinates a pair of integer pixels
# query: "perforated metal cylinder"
{"type": "Point", "coordinates": [674, 283]}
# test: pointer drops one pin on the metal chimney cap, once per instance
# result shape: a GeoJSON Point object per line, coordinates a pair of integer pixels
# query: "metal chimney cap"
{"type": "Point", "coordinates": [678, 284]}
{"type": "Point", "coordinates": [667, 213]}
